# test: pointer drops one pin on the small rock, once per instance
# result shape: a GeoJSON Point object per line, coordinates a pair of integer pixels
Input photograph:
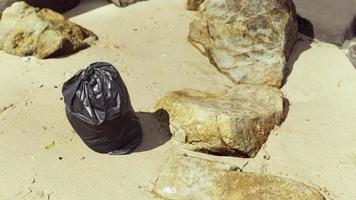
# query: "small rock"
{"type": "Point", "coordinates": [249, 41]}
{"type": "Point", "coordinates": [26, 31]}
{"type": "Point", "coordinates": [236, 122]}
{"type": "Point", "coordinates": [197, 179]}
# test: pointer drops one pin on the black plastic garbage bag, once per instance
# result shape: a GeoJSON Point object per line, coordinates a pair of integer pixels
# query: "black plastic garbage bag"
{"type": "Point", "coordinates": [99, 109]}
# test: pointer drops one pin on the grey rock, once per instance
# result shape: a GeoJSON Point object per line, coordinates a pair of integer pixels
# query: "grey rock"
{"type": "Point", "coordinates": [249, 41]}
{"type": "Point", "coordinates": [25, 31]}
{"type": "Point", "coordinates": [198, 179]}
{"type": "Point", "coordinates": [236, 122]}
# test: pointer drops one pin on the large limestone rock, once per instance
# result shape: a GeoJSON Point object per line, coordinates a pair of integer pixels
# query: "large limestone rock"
{"type": "Point", "coordinates": [194, 4]}
{"type": "Point", "coordinates": [327, 20]}
{"type": "Point", "coordinates": [236, 122]}
{"type": "Point", "coordinates": [248, 40]}
{"type": "Point", "coordinates": [197, 179]}
{"type": "Point", "coordinates": [25, 31]}
{"type": "Point", "coordinates": [56, 5]}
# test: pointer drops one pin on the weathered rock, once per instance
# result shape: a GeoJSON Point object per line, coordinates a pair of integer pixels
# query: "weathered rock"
{"type": "Point", "coordinates": [194, 4]}
{"type": "Point", "coordinates": [196, 179]}
{"type": "Point", "coordinates": [327, 20]}
{"type": "Point", "coordinates": [56, 5]}
{"type": "Point", "coordinates": [248, 40]}
{"type": "Point", "coordinates": [236, 122]}
{"type": "Point", "coordinates": [124, 3]}
{"type": "Point", "coordinates": [25, 31]}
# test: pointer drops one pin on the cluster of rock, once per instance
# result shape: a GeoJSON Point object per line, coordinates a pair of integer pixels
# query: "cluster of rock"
{"type": "Point", "coordinates": [250, 42]}
{"type": "Point", "coordinates": [26, 31]}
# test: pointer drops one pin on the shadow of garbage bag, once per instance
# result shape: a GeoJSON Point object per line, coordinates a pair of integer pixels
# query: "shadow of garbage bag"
{"type": "Point", "coordinates": [155, 128]}
{"type": "Point", "coordinates": [99, 109]}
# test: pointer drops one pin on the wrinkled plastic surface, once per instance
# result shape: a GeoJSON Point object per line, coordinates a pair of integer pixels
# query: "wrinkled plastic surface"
{"type": "Point", "coordinates": [99, 109]}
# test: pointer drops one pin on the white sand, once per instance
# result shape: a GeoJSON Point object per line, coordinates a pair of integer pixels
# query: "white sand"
{"type": "Point", "coordinates": [147, 43]}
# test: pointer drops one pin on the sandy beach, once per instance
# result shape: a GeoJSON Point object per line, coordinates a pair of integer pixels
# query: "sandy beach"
{"type": "Point", "coordinates": [147, 43]}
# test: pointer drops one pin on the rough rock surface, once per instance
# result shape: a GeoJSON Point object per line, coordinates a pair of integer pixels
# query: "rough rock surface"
{"type": "Point", "coordinates": [194, 4]}
{"type": "Point", "coordinates": [236, 122]}
{"type": "Point", "coordinates": [56, 5]}
{"type": "Point", "coordinates": [196, 179]}
{"type": "Point", "coordinates": [25, 31]}
{"type": "Point", "coordinates": [248, 40]}
{"type": "Point", "coordinates": [328, 20]}
{"type": "Point", "coordinates": [124, 3]}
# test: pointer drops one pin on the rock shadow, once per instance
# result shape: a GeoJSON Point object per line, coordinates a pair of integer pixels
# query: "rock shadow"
{"type": "Point", "coordinates": [302, 44]}
{"type": "Point", "coordinates": [86, 6]}
{"type": "Point", "coordinates": [286, 105]}
{"type": "Point", "coordinates": [305, 27]}
{"type": "Point", "coordinates": [155, 127]}
{"type": "Point", "coordinates": [351, 33]}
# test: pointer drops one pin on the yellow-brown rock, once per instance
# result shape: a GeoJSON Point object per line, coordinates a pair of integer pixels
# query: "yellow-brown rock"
{"type": "Point", "coordinates": [197, 179]}
{"type": "Point", "coordinates": [26, 31]}
{"type": "Point", "coordinates": [236, 122]}
{"type": "Point", "coordinates": [248, 40]}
